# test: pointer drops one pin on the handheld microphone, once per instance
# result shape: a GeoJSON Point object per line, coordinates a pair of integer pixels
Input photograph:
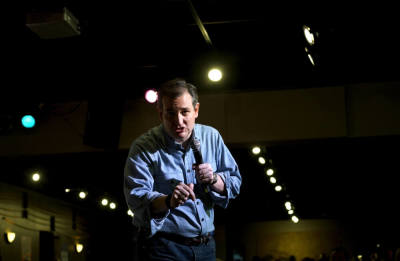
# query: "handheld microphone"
{"type": "Point", "coordinates": [195, 145]}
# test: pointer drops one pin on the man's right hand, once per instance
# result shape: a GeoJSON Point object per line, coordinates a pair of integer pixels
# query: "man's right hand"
{"type": "Point", "coordinates": [181, 193]}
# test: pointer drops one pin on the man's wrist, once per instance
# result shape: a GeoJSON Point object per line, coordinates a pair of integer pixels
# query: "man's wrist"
{"type": "Point", "coordinates": [215, 178]}
{"type": "Point", "coordinates": [168, 201]}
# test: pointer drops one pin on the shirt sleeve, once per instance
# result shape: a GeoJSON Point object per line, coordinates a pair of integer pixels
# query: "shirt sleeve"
{"type": "Point", "coordinates": [229, 172]}
{"type": "Point", "coordinates": [138, 190]}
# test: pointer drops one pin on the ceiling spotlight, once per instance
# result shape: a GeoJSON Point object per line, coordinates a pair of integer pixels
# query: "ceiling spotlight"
{"type": "Point", "coordinates": [104, 202]}
{"type": "Point", "coordinates": [113, 205]}
{"type": "Point", "coordinates": [82, 194]}
{"type": "Point", "coordinates": [290, 212]}
{"type": "Point", "coordinates": [308, 35]}
{"type": "Point", "coordinates": [278, 188]}
{"type": "Point", "coordinates": [261, 160]}
{"type": "Point", "coordinates": [215, 75]}
{"type": "Point", "coordinates": [151, 96]}
{"type": "Point", "coordinates": [36, 177]}
{"type": "Point", "coordinates": [272, 180]}
{"type": "Point", "coordinates": [270, 172]}
{"type": "Point", "coordinates": [130, 213]}
{"type": "Point", "coordinates": [288, 205]}
{"type": "Point", "coordinates": [256, 150]}
{"type": "Point", "coordinates": [311, 59]}
{"type": "Point", "coordinates": [9, 237]}
{"type": "Point", "coordinates": [67, 190]}
{"type": "Point", "coordinates": [295, 219]}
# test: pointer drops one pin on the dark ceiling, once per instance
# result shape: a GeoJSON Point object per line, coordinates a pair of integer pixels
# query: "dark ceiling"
{"type": "Point", "coordinates": [129, 46]}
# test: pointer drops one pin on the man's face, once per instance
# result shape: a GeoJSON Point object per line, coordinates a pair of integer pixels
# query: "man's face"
{"type": "Point", "coordinates": [178, 116]}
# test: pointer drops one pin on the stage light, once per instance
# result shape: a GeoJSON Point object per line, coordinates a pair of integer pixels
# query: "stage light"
{"type": "Point", "coordinates": [28, 121]}
{"type": "Point", "coordinates": [9, 237]}
{"type": "Point", "coordinates": [79, 247]}
{"type": "Point", "coordinates": [261, 160]}
{"type": "Point", "coordinates": [270, 172]}
{"type": "Point", "coordinates": [311, 59]}
{"type": "Point", "coordinates": [67, 190]}
{"type": "Point", "coordinates": [272, 180]}
{"type": "Point", "coordinates": [35, 177]}
{"type": "Point", "coordinates": [113, 205]}
{"type": "Point", "coordinates": [104, 202]}
{"type": "Point", "coordinates": [295, 219]}
{"type": "Point", "coordinates": [256, 150]}
{"type": "Point", "coordinates": [278, 188]}
{"type": "Point", "coordinates": [151, 96]}
{"type": "Point", "coordinates": [290, 212]}
{"type": "Point", "coordinates": [215, 75]}
{"type": "Point", "coordinates": [82, 194]}
{"type": "Point", "coordinates": [288, 205]}
{"type": "Point", "coordinates": [308, 35]}
{"type": "Point", "coordinates": [130, 213]}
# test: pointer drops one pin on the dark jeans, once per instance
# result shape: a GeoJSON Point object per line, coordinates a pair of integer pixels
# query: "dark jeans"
{"type": "Point", "coordinates": [162, 249]}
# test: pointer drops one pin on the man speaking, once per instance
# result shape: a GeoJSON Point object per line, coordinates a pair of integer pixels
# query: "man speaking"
{"type": "Point", "coordinates": [174, 175]}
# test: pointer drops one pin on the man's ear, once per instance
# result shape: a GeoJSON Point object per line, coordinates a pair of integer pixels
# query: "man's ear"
{"type": "Point", "coordinates": [196, 110]}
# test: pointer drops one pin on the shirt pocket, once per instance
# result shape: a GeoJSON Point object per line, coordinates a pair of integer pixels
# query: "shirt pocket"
{"type": "Point", "coordinates": [166, 179]}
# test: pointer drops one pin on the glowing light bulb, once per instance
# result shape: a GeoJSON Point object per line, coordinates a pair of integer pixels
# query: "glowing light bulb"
{"type": "Point", "coordinates": [28, 121]}
{"type": "Point", "coordinates": [151, 96]}
{"type": "Point", "coordinates": [215, 75]}
{"type": "Point", "coordinates": [256, 150]}
{"type": "Point", "coordinates": [10, 237]}
{"type": "Point", "coordinates": [36, 177]}
{"type": "Point", "coordinates": [79, 247]}
{"type": "Point", "coordinates": [104, 202]}
{"type": "Point", "coordinates": [261, 160]}
{"type": "Point", "coordinates": [82, 195]}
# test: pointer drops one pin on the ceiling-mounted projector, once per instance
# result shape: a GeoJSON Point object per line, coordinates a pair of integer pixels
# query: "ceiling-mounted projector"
{"type": "Point", "coordinates": [51, 25]}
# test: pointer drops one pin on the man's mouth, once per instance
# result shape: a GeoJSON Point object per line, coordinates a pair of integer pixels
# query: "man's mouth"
{"type": "Point", "coordinates": [179, 130]}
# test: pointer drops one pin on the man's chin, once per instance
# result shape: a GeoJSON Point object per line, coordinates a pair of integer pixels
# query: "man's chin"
{"type": "Point", "coordinates": [181, 137]}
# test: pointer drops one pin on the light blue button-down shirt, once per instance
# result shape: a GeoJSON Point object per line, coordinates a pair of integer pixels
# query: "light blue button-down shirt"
{"type": "Point", "coordinates": [156, 164]}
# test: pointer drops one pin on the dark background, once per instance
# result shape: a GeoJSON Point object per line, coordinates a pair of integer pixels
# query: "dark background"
{"type": "Point", "coordinates": [126, 47]}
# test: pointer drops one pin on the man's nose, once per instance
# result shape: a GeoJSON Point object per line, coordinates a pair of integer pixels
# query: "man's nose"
{"type": "Point", "coordinates": [178, 119]}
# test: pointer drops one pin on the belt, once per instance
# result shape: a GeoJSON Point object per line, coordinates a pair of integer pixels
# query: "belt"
{"type": "Point", "coordinates": [189, 241]}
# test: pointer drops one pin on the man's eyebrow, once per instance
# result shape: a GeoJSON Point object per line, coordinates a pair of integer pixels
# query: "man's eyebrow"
{"type": "Point", "coordinates": [177, 109]}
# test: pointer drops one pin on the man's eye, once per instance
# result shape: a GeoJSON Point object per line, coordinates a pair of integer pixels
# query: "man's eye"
{"type": "Point", "coordinates": [185, 112]}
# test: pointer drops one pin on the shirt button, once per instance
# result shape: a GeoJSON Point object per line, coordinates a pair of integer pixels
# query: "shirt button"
{"type": "Point", "coordinates": [198, 203]}
{"type": "Point", "coordinates": [188, 170]}
{"type": "Point", "coordinates": [202, 219]}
